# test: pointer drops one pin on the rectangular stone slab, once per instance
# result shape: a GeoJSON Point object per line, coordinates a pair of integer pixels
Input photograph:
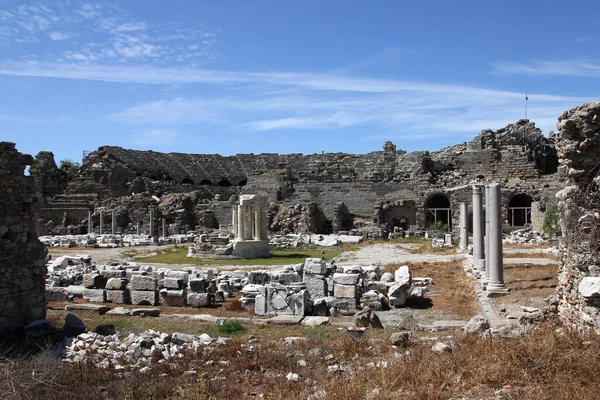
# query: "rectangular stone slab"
{"type": "Point", "coordinates": [286, 320]}
{"type": "Point", "coordinates": [97, 308]}
{"type": "Point", "coordinates": [143, 282]}
{"type": "Point", "coordinates": [94, 295]}
{"type": "Point", "coordinates": [118, 296]}
{"type": "Point", "coordinates": [144, 297]}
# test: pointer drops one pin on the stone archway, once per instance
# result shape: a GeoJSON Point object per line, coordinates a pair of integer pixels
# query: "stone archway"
{"type": "Point", "coordinates": [519, 210]}
{"type": "Point", "coordinates": [437, 208]}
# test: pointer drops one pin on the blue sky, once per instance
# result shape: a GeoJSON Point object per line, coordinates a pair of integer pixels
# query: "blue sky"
{"type": "Point", "coordinates": [289, 77]}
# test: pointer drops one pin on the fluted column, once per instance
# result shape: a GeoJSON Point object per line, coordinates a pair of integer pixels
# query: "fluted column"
{"type": "Point", "coordinates": [264, 220]}
{"type": "Point", "coordinates": [257, 223]}
{"type": "Point", "coordinates": [164, 227]}
{"type": "Point", "coordinates": [113, 222]}
{"type": "Point", "coordinates": [90, 223]}
{"type": "Point", "coordinates": [478, 250]}
{"type": "Point", "coordinates": [464, 227]}
{"type": "Point", "coordinates": [139, 228]}
{"type": "Point", "coordinates": [234, 222]}
{"type": "Point", "coordinates": [496, 284]}
{"type": "Point", "coordinates": [151, 223]}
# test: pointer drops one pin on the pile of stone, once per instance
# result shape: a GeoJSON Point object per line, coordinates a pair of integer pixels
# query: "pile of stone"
{"type": "Point", "coordinates": [218, 244]}
{"type": "Point", "coordinates": [524, 236]}
{"type": "Point", "coordinates": [294, 240]}
{"type": "Point", "coordinates": [316, 288]}
{"type": "Point", "coordinates": [109, 240]}
{"type": "Point", "coordinates": [140, 352]}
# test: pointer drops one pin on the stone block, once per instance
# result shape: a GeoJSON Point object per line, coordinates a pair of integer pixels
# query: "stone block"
{"type": "Point", "coordinates": [96, 308]}
{"type": "Point", "coordinates": [402, 277]}
{"type": "Point", "coordinates": [56, 294]}
{"type": "Point", "coordinates": [118, 296]}
{"type": "Point", "coordinates": [314, 321]}
{"type": "Point", "coordinates": [316, 286]}
{"type": "Point", "coordinates": [314, 266]}
{"type": "Point", "coordinates": [146, 312]}
{"type": "Point", "coordinates": [116, 284]}
{"type": "Point", "coordinates": [173, 297]}
{"type": "Point", "coordinates": [113, 273]}
{"type": "Point", "coordinates": [346, 279]}
{"type": "Point", "coordinates": [198, 285]}
{"type": "Point", "coordinates": [179, 275]}
{"type": "Point", "coordinates": [259, 277]}
{"type": "Point", "coordinates": [173, 283]}
{"type": "Point", "coordinates": [285, 278]}
{"type": "Point", "coordinates": [94, 295]}
{"type": "Point", "coordinates": [589, 287]}
{"type": "Point", "coordinates": [198, 300]}
{"type": "Point", "coordinates": [345, 291]}
{"type": "Point", "coordinates": [94, 281]}
{"type": "Point", "coordinates": [143, 282]}
{"type": "Point", "coordinates": [144, 297]}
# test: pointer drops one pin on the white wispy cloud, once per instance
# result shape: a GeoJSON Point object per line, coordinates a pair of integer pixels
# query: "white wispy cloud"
{"type": "Point", "coordinates": [154, 137]}
{"type": "Point", "coordinates": [576, 67]}
{"type": "Point", "coordinates": [61, 35]}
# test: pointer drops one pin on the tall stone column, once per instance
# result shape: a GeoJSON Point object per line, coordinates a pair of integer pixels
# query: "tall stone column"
{"type": "Point", "coordinates": [248, 223]}
{"type": "Point", "coordinates": [151, 225]}
{"type": "Point", "coordinates": [164, 227]}
{"type": "Point", "coordinates": [264, 224]}
{"type": "Point", "coordinates": [234, 222]}
{"type": "Point", "coordinates": [241, 218]}
{"type": "Point", "coordinates": [464, 227]}
{"type": "Point", "coordinates": [90, 223]}
{"type": "Point", "coordinates": [113, 222]}
{"type": "Point", "coordinates": [139, 228]}
{"type": "Point", "coordinates": [101, 222]}
{"type": "Point", "coordinates": [496, 283]}
{"type": "Point", "coordinates": [257, 223]}
{"type": "Point", "coordinates": [478, 251]}
{"type": "Point", "coordinates": [486, 274]}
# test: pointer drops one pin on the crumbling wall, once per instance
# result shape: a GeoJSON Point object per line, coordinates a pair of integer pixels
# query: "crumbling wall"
{"type": "Point", "coordinates": [22, 255]}
{"type": "Point", "coordinates": [578, 145]}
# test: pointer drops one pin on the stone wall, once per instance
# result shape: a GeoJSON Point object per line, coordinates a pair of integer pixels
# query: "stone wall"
{"type": "Point", "coordinates": [578, 145]}
{"type": "Point", "coordinates": [22, 255]}
{"type": "Point", "coordinates": [377, 187]}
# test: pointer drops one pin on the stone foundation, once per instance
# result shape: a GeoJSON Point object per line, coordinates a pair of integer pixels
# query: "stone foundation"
{"type": "Point", "coordinates": [22, 255]}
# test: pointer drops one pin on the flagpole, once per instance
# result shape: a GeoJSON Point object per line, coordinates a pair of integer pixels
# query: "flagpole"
{"type": "Point", "coordinates": [526, 98]}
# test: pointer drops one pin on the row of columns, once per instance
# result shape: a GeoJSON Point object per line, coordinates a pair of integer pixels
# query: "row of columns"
{"type": "Point", "coordinates": [165, 232]}
{"type": "Point", "coordinates": [250, 222]}
{"type": "Point", "coordinates": [487, 236]}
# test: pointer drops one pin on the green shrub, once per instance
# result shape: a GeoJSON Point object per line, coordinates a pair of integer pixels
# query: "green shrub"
{"type": "Point", "coordinates": [438, 228]}
{"type": "Point", "coordinates": [551, 226]}
{"type": "Point", "coordinates": [232, 327]}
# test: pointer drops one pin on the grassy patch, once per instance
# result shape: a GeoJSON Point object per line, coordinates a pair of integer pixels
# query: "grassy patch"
{"type": "Point", "coordinates": [530, 255]}
{"type": "Point", "coordinates": [531, 283]}
{"type": "Point", "coordinates": [278, 257]}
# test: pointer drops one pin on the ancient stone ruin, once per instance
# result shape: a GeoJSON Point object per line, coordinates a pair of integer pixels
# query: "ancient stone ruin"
{"type": "Point", "coordinates": [22, 255]}
{"type": "Point", "coordinates": [578, 291]}
{"type": "Point", "coordinates": [375, 194]}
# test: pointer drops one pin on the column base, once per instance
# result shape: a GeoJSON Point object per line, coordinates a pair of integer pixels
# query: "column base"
{"type": "Point", "coordinates": [496, 289]}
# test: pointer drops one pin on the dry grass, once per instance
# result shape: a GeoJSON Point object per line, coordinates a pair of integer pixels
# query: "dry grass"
{"type": "Point", "coordinates": [529, 282]}
{"type": "Point", "coordinates": [452, 290]}
{"type": "Point", "coordinates": [425, 247]}
{"type": "Point", "coordinates": [548, 364]}
{"type": "Point", "coordinates": [530, 255]}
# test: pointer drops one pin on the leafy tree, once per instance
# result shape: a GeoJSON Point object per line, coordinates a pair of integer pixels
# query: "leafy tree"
{"type": "Point", "coordinates": [438, 228]}
{"type": "Point", "coordinates": [551, 226]}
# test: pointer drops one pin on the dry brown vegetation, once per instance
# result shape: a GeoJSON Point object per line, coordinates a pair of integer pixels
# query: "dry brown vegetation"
{"type": "Point", "coordinates": [452, 290]}
{"type": "Point", "coordinates": [550, 363]}
{"type": "Point", "coordinates": [529, 282]}
{"type": "Point", "coordinates": [530, 255]}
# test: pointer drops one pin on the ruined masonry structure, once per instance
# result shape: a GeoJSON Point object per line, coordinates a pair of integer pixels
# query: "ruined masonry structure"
{"type": "Point", "coordinates": [371, 193]}
{"type": "Point", "coordinates": [578, 145]}
{"type": "Point", "coordinates": [249, 222]}
{"type": "Point", "coordinates": [22, 255]}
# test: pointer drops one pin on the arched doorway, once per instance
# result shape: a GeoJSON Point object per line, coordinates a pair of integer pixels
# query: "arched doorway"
{"type": "Point", "coordinates": [519, 210]}
{"type": "Point", "coordinates": [437, 208]}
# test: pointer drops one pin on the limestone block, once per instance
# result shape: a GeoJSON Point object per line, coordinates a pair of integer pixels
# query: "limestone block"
{"type": "Point", "coordinates": [259, 277]}
{"type": "Point", "coordinates": [118, 296]}
{"type": "Point", "coordinates": [143, 282]}
{"type": "Point", "coordinates": [314, 321]}
{"type": "Point", "coordinates": [260, 305]}
{"type": "Point", "coordinates": [94, 295]}
{"type": "Point", "coordinates": [179, 275]}
{"type": "Point", "coordinates": [173, 283]}
{"type": "Point", "coordinates": [346, 279]}
{"type": "Point", "coordinates": [219, 296]}
{"type": "Point", "coordinates": [198, 285]}
{"type": "Point", "coordinates": [94, 281]}
{"type": "Point", "coordinates": [344, 291]}
{"type": "Point", "coordinates": [113, 273]}
{"type": "Point", "coordinates": [402, 276]}
{"type": "Point", "coordinates": [56, 294]}
{"type": "Point", "coordinates": [198, 300]}
{"type": "Point", "coordinates": [316, 286]}
{"type": "Point", "coordinates": [173, 297]}
{"type": "Point", "coordinates": [116, 284]}
{"type": "Point", "coordinates": [314, 266]}
{"type": "Point", "coordinates": [144, 297]}
{"type": "Point", "coordinates": [387, 277]}
{"type": "Point", "coordinates": [589, 287]}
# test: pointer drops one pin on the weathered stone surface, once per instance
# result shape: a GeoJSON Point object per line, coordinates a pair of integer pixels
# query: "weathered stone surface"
{"type": "Point", "coordinates": [346, 279]}
{"type": "Point", "coordinates": [316, 285]}
{"type": "Point", "coordinates": [143, 282]}
{"type": "Point", "coordinates": [589, 287]}
{"type": "Point", "coordinates": [174, 283]}
{"type": "Point", "coordinates": [477, 324]}
{"type": "Point", "coordinates": [116, 284]}
{"type": "Point", "coordinates": [315, 320]}
{"type": "Point", "coordinates": [285, 320]}
{"type": "Point", "coordinates": [144, 297]}
{"type": "Point", "coordinates": [314, 266]}
{"type": "Point", "coordinates": [402, 277]}
{"type": "Point", "coordinates": [56, 294]}
{"type": "Point", "coordinates": [118, 296]}
{"type": "Point", "coordinates": [401, 339]}
{"type": "Point", "coordinates": [119, 311]}
{"type": "Point", "coordinates": [73, 325]}
{"type": "Point", "coordinates": [198, 300]}
{"type": "Point", "coordinates": [145, 312]}
{"type": "Point", "coordinates": [94, 295]}
{"type": "Point", "coordinates": [198, 285]}
{"type": "Point", "coordinates": [367, 318]}
{"type": "Point", "coordinates": [97, 308]}
{"type": "Point", "coordinates": [94, 281]}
